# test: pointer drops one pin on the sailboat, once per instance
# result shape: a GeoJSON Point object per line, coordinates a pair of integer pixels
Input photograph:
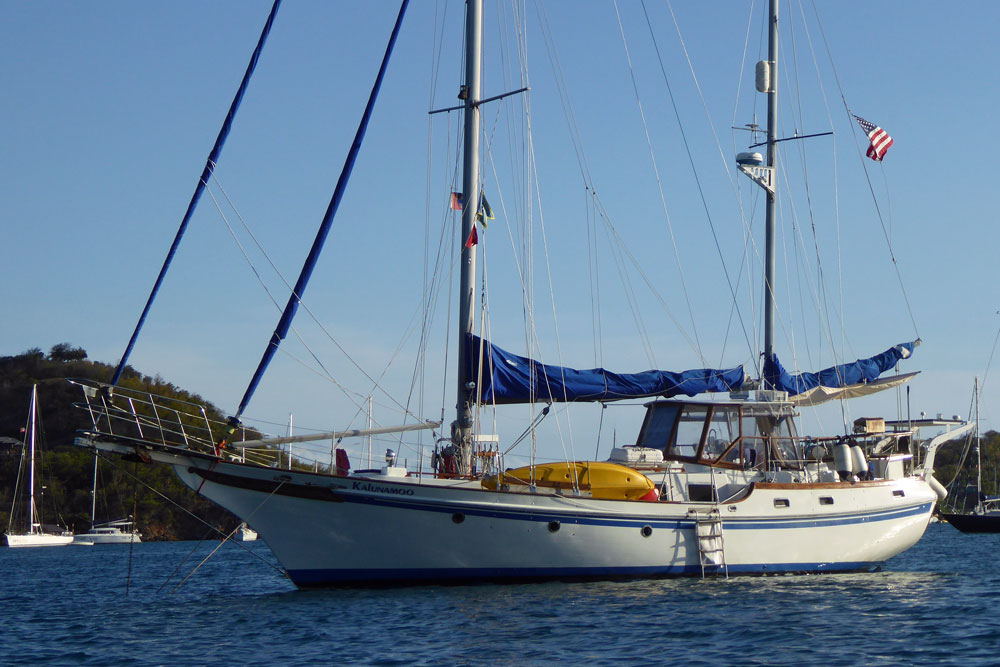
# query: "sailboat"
{"type": "Point", "coordinates": [34, 533]}
{"type": "Point", "coordinates": [709, 486]}
{"type": "Point", "coordinates": [118, 531]}
{"type": "Point", "coordinates": [985, 516]}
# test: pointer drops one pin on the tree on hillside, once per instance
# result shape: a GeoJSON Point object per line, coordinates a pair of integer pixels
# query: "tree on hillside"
{"type": "Point", "coordinates": [66, 352]}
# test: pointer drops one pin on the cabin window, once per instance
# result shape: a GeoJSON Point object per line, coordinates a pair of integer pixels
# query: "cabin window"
{"type": "Point", "coordinates": [723, 431]}
{"type": "Point", "coordinates": [690, 430]}
{"type": "Point", "coordinates": [753, 443]}
{"type": "Point", "coordinates": [781, 502]}
{"type": "Point", "coordinates": [784, 439]}
{"type": "Point", "coordinates": [825, 500]}
{"type": "Point", "coordinates": [658, 426]}
{"type": "Point", "coordinates": [899, 493]}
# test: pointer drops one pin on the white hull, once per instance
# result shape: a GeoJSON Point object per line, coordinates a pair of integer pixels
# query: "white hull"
{"type": "Point", "coordinates": [38, 540]}
{"type": "Point", "coordinates": [117, 537]}
{"type": "Point", "coordinates": [354, 530]}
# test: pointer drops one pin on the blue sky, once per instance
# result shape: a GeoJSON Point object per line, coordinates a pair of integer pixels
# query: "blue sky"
{"type": "Point", "coordinates": [111, 108]}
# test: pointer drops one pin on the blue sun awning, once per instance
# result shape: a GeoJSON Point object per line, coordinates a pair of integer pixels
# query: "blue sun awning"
{"type": "Point", "coordinates": [511, 378]}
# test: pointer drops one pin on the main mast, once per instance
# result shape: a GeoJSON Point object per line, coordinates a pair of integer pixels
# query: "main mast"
{"type": "Point", "coordinates": [470, 93]}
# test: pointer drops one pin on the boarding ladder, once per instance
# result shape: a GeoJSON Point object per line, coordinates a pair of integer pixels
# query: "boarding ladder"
{"type": "Point", "coordinates": [711, 543]}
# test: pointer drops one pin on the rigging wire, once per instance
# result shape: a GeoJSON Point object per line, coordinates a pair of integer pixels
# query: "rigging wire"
{"type": "Point", "coordinates": [326, 373]}
{"type": "Point", "coordinates": [131, 542]}
{"type": "Point", "coordinates": [861, 158]}
{"type": "Point", "coordinates": [213, 157]}
{"type": "Point", "coordinates": [690, 154]}
{"type": "Point", "coordinates": [733, 185]}
{"type": "Point", "coordinates": [659, 185]}
{"type": "Point", "coordinates": [227, 538]}
{"type": "Point", "coordinates": [211, 528]}
{"type": "Point", "coordinates": [294, 299]}
{"type": "Point", "coordinates": [822, 306]}
{"type": "Point", "coordinates": [989, 361]}
{"type": "Point", "coordinates": [836, 182]}
{"type": "Point", "coordinates": [596, 207]}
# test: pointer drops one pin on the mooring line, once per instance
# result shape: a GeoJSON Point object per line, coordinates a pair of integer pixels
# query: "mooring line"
{"type": "Point", "coordinates": [227, 538]}
{"type": "Point", "coordinates": [211, 528]}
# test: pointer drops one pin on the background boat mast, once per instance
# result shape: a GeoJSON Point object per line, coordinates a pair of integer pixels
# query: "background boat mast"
{"type": "Point", "coordinates": [33, 515]}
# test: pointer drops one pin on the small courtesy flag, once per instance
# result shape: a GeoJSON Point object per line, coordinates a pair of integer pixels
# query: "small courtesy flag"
{"type": "Point", "coordinates": [485, 213]}
{"type": "Point", "coordinates": [473, 238]}
{"type": "Point", "coordinates": [456, 201]}
{"type": "Point", "coordinates": [879, 138]}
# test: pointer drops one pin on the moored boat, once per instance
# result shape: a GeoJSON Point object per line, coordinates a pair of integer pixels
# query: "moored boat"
{"type": "Point", "coordinates": [725, 486]}
{"type": "Point", "coordinates": [31, 533]}
{"type": "Point", "coordinates": [121, 531]}
{"type": "Point", "coordinates": [985, 515]}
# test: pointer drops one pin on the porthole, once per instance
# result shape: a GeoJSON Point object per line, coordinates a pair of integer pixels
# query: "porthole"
{"type": "Point", "coordinates": [825, 500]}
{"type": "Point", "coordinates": [646, 531]}
{"type": "Point", "coordinates": [457, 517]}
{"type": "Point", "coordinates": [553, 526]}
{"type": "Point", "coordinates": [781, 502]}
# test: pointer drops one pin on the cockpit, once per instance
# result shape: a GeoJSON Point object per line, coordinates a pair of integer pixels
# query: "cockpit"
{"type": "Point", "coordinates": [746, 436]}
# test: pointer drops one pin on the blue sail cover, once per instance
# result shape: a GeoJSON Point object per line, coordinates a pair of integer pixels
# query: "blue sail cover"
{"type": "Point", "coordinates": [509, 378]}
{"type": "Point", "coordinates": [860, 372]}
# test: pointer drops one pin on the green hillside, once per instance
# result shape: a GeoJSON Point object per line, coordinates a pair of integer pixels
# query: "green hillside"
{"type": "Point", "coordinates": [125, 489]}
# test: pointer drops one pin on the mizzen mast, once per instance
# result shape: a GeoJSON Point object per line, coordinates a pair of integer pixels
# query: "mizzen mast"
{"type": "Point", "coordinates": [752, 164]}
{"type": "Point", "coordinates": [771, 90]}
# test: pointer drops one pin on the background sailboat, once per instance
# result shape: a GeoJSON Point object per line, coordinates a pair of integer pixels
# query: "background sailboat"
{"type": "Point", "coordinates": [26, 527]}
{"type": "Point", "coordinates": [117, 531]}
{"type": "Point", "coordinates": [984, 515]}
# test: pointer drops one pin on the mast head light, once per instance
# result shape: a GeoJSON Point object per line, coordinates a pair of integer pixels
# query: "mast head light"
{"type": "Point", "coordinates": [751, 159]}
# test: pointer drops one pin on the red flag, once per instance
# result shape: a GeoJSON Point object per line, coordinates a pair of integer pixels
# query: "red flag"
{"type": "Point", "coordinates": [456, 201]}
{"type": "Point", "coordinates": [879, 138]}
{"type": "Point", "coordinates": [473, 238]}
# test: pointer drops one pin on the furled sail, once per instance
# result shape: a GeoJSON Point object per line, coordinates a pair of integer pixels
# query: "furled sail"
{"type": "Point", "coordinates": [844, 381]}
{"type": "Point", "coordinates": [510, 378]}
{"type": "Point", "coordinates": [819, 395]}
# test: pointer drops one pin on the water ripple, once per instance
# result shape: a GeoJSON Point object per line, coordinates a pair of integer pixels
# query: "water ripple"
{"type": "Point", "coordinates": [933, 604]}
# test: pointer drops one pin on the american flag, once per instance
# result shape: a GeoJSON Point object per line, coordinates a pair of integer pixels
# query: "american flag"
{"type": "Point", "coordinates": [879, 138]}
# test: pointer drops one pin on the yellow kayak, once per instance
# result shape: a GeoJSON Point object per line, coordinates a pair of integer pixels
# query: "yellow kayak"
{"type": "Point", "coordinates": [608, 481]}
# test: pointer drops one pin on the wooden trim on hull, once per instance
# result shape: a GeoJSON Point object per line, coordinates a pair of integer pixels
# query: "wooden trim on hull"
{"type": "Point", "coordinates": [278, 487]}
{"type": "Point", "coordinates": [781, 486]}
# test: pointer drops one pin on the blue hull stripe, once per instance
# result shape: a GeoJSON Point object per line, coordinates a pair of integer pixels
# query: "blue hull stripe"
{"type": "Point", "coordinates": [730, 523]}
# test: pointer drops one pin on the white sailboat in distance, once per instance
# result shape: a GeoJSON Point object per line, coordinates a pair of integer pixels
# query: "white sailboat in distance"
{"type": "Point", "coordinates": [25, 528]}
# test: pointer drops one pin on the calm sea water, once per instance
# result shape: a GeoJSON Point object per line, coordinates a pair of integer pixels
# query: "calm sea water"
{"type": "Point", "coordinates": [938, 603]}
